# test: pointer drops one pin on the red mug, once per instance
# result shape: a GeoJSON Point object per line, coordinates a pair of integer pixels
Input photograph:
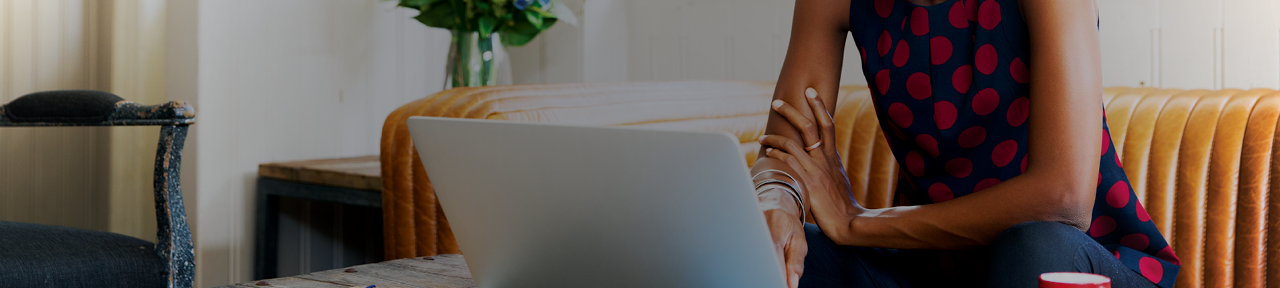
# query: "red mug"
{"type": "Point", "coordinates": [1073, 280]}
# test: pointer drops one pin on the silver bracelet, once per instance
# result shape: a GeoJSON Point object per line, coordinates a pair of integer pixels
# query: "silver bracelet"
{"type": "Point", "coordinates": [790, 190]}
{"type": "Point", "coordinates": [793, 184]}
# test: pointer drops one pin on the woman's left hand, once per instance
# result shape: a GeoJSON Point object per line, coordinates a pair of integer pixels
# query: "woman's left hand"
{"type": "Point", "coordinates": [825, 185]}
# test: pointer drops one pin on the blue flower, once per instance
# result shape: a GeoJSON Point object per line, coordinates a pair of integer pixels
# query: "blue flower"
{"type": "Point", "coordinates": [521, 4]}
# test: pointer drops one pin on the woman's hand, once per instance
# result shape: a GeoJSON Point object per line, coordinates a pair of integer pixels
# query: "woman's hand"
{"type": "Point", "coordinates": [782, 214]}
{"type": "Point", "coordinates": [818, 164]}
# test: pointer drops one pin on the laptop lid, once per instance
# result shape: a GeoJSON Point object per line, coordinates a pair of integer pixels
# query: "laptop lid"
{"type": "Point", "coordinates": [539, 205]}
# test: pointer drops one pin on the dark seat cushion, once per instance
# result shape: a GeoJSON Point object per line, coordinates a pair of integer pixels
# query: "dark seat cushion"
{"type": "Point", "coordinates": [33, 255]}
{"type": "Point", "coordinates": [63, 106]}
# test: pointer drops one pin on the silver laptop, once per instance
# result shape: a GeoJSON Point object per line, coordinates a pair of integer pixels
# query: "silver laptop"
{"type": "Point", "coordinates": [538, 205]}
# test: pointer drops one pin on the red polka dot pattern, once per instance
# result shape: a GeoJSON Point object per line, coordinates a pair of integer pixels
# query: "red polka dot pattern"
{"type": "Point", "coordinates": [918, 85]}
{"type": "Point", "coordinates": [939, 50]}
{"type": "Point", "coordinates": [959, 167]}
{"type": "Point", "coordinates": [962, 78]}
{"type": "Point", "coordinates": [900, 114]}
{"type": "Point", "coordinates": [1137, 241]}
{"type": "Point", "coordinates": [1106, 142]}
{"type": "Point", "coordinates": [944, 114]}
{"type": "Point", "coordinates": [1167, 255]}
{"type": "Point", "coordinates": [1018, 111]}
{"type": "Point", "coordinates": [901, 54]}
{"type": "Point", "coordinates": [884, 8]}
{"type": "Point", "coordinates": [985, 183]}
{"type": "Point", "coordinates": [957, 16]}
{"type": "Point", "coordinates": [1142, 213]}
{"type": "Point", "coordinates": [939, 193]}
{"type": "Point", "coordinates": [920, 21]}
{"type": "Point", "coordinates": [882, 46]}
{"type": "Point", "coordinates": [985, 59]}
{"type": "Point", "coordinates": [1102, 225]}
{"type": "Point", "coordinates": [1018, 71]}
{"type": "Point", "coordinates": [1003, 153]}
{"type": "Point", "coordinates": [928, 144]}
{"type": "Point", "coordinates": [1118, 164]}
{"type": "Point", "coordinates": [971, 9]}
{"type": "Point", "coordinates": [1118, 195]}
{"type": "Point", "coordinates": [986, 101]}
{"type": "Point", "coordinates": [897, 132]}
{"type": "Point", "coordinates": [980, 48]}
{"type": "Point", "coordinates": [989, 15]}
{"type": "Point", "coordinates": [1151, 269]}
{"type": "Point", "coordinates": [972, 137]}
{"type": "Point", "coordinates": [915, 164]}
{"type": "Point", "coordinates": [882, 81]}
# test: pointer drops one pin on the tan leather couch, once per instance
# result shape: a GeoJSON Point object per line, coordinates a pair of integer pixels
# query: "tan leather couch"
{"type": "Point", "coordinates": [1201, 160]}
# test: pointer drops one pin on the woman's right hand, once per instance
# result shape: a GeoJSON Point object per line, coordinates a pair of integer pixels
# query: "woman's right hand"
{"type": "Point", "coordinates": [818, 166]}
{"type": "Point", "coordinates": [782, 214]}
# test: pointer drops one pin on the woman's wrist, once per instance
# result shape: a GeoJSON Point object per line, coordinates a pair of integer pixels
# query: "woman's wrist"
{"type": "Point", "coordinates": [775, 197]}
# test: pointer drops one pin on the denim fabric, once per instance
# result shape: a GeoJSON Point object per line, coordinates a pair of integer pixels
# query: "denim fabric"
{"type": "Point", "coordinates": [33, 255]}
{"type": "Point", "coordinates": [1014, 259]}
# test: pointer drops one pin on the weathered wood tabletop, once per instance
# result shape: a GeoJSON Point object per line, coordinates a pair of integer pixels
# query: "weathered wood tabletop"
{"type": "Point", "coordinates": [444, 271]}
{"type": "Point", "coordinates": [363, 173]}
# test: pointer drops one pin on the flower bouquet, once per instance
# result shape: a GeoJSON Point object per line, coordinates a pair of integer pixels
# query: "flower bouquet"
{"type": "Point", "coordinates": [482, 28]}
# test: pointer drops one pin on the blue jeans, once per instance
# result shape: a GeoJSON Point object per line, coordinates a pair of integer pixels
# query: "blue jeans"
{"type": "Point", "coordinates": [1014, 259]}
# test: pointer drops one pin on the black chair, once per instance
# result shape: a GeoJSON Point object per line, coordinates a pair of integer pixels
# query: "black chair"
{"type": "Point", "coordinates": [34, 255]}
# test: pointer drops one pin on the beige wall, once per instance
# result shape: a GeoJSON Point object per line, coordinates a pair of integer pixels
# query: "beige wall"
{"type": "Point", "coordinates": [94, 178]}
{"type": "Point", "coordinates": [286, 80]}
{"type": "Point", "coordinates": [1191, 43]}
{"type": "Point", "coordinates": [52, 175]}
{"type": "Point", "coordinates": [1209, 44]}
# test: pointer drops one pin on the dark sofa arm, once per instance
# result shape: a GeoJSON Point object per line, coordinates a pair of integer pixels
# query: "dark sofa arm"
{"type": "Point", "coordinates": [90, 108]}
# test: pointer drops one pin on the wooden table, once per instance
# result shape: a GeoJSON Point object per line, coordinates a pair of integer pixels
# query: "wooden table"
{"type": "Point", "coordinates": [445, 271]}
{"type": "Point", "coordinates": [351, 181]}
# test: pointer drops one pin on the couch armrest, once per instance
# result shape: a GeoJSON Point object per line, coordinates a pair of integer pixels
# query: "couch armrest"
{"type": "Point", "coordinates": [90, 108]}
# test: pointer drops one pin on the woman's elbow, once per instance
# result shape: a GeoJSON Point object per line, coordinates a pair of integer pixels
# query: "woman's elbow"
{"type": "Point", "coordinates": [1070, 202]}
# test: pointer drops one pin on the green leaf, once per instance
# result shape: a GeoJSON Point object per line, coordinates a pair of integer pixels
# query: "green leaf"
{"type": "Point", "coordinates": [486, 25]}
{"type": "Point", "coordinates": [520, 33]}
{"type": "Point", "coordinates": [534, 17]}
{"type": "Point", "coordinates": [539, 10]}
{"type": "Point", "coordinates": [440, 15]}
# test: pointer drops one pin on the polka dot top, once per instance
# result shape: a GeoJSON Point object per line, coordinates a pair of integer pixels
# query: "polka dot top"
{"type": "Point", "coordinates": [950, 86]}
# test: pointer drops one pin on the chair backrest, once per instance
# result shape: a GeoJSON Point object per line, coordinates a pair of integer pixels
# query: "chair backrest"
{"type": "Point", "coordinates": [1200, 161]}
{"type": "Point", "coordinates": [96, 108]}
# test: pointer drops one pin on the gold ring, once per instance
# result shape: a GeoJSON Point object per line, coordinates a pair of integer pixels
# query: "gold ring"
{"type": "Point", "coordinates": [814, 146]}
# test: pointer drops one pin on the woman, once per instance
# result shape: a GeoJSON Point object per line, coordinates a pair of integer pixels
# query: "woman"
{"type": "Point", "coordinates": [965, 90]}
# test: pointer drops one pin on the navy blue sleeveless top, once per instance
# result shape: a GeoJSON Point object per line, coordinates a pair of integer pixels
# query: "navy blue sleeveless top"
{"type": "Point", "coordinates": [950, 85]}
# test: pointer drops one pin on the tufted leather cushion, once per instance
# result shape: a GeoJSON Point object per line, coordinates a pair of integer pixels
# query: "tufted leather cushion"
{"type": "Point", "coordinates": [1200, 160]}
{"type": "Point", "coordinates": [63, 106]}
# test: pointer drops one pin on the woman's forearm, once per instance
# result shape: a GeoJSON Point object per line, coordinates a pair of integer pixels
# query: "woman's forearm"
{"type": "Point", "coordinates": [972, 220]}
{"type": "Point", "coordinates": [813, 60]}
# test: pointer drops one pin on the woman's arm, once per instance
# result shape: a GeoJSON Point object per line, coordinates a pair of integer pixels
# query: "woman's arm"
{"type": "Point", "coordinates": [814, 55]}
{"type": "Point", "coordinates": [813, 60]}
{"type": "Point", "coordinates": [1065, 133]}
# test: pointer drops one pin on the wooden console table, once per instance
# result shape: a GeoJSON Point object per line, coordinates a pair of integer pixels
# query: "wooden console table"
{"type": "Point", "coordinates": [352, 181]}
{"type": "Point", "coordinates": [444, 271]}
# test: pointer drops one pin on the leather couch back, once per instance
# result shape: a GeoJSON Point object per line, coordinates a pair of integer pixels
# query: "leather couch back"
{"type": "Point", "coordinates": [1200, 161]}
